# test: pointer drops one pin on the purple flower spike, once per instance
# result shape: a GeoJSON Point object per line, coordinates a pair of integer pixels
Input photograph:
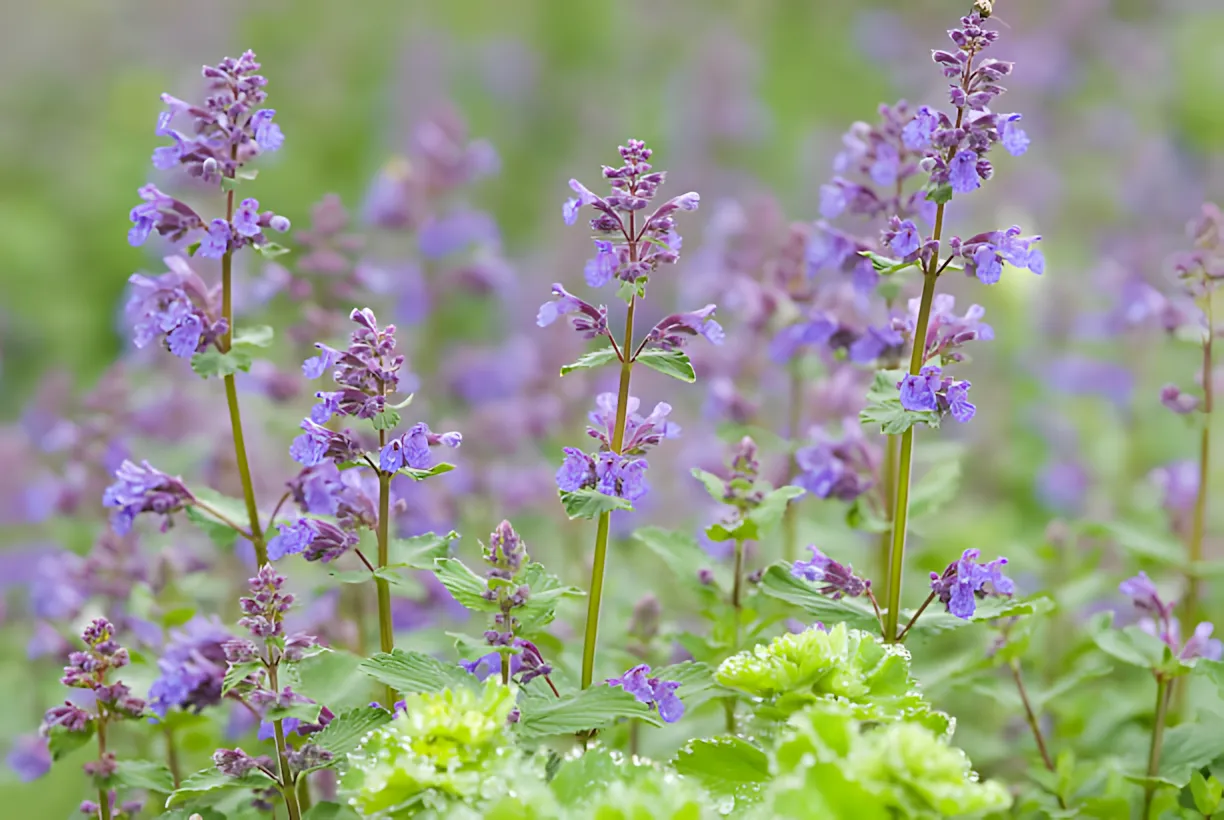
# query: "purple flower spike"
{"type": "Point", "coordinates": [318, 540]}
{"type": "Point", "coordinates": [659, 694]}
{"type": "Point", "coordinates": [965, 580]}
{"type": "Point", "coordinates": [835, 579]}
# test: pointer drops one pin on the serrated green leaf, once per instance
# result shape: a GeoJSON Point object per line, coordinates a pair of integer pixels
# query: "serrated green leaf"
{"type": "Point", "coordinates": [143, 774]}
{"type": "Point", "coordinates": [386, 420]}
{"type": "Point", "coordinates": [205, 785]}
{"type": "Point", "coordinates": [256, 336]}
{"type": "Point", "coordinates": [333, 677]}
{"type": "Point", "coordinates": [62, 742]}
{"type": "Point", "coordinates": [777, 582]}
{"type": "Point", "coordinates": [547, 591]}
{"type": "Point", "coordinates": [591, 503]}
{"type": "Point", "coordinates": [330, 811]}
{"type": "Point", "coordinates": [682, 554]}
{"type": "Point", "coordinates": [1131, 645]}
{"type": "Point", "coordinates": [467, 587]}
{"type": "Point", "coordinates": [590, 360]}
{"type": "Point", "coordinates": [758, 522]}
{"type": "Point", "coordinates": [346, 731]}
{"type": "Point", "coordinates": [213, 362]}
{"type": "Point", "coordinates": [415, 672]}
{"type": "Point", "coordinates": [420, 551]}
{"type": "Point", "coordinates": [1186, 747]}
{"type": "Point", "coordinates": [724, 765]}
{"type": "Point", "coordinates": [697, 684]}
{"type": "Point", "coordinates": [577, 778]}
{"type": "Point", "coordinates": [239, 672]}
{"type": "Point", "coordinates": [935, 489]}
{"type": "Point", "coordinates": [222, 535]}
{"type": "Point", "coordinates": [421, 475]}
{"type": "Point", "coordinates": [594, 708]}
{"type": "Point", "coordinates": [672, 363]}
{"type": "Point", "coordinates": [715, 486]}
{"type": "Point", "coordinates": [305, 712]}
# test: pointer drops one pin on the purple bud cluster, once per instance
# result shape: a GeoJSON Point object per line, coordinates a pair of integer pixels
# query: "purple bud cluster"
{"type": "Point", "coordinates": [90, 670]}
{"type": "Point", "coordinates": [368, 371]}
{"type": "Point", "coordinates": [1160, 622]}
{"type": "Point", "coordinates": [634, 185]}
{"type": "Point", "coordinates": [841, 468]}
{"type": "Point", "coordinates": [1201, 270]}
{"type": "Point", "coordinates": [835, 579]}
{"type": "Point", "coordinates": [227, 131]}
{"type": "Point", "coordinates": [955, 152]}
{"type": "Point", "coordinates": [264, 609]}
{"type": "Point", "coordinates": [176, 308]}
{"type": "Point", "coordinates": [142, 488]}
{"type": "Point", "coordinates": [656, 693]}
{"type": "Point", "coordinates": [931, 391]}
{"type": "Point", "coordinates": [966, 580]}
{"type": "Point", "coordinates": [506, 555]}
{"type": "Point", "coordinates": [526, 664]}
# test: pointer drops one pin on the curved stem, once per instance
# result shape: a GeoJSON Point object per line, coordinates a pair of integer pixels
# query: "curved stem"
{"type": "Point", "coordinates": [1158, 726]}
{"type": "Point", "coordinates": [914, 618]}
{"type": "Point", "coordinates": [1031, 717]}
{"type": "Point", "coordinates": [386, 628]}
{"type": "Point", "coordinates": [231, 398]}
{"type": "Point", "coordinates": [794, 419]}
{"type": "Point", "coordinates": [605, 519]}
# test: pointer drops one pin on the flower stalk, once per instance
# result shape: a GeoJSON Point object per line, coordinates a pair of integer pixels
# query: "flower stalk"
{"type": "Point", "coordinates": [1158, 727]}
{"type": "Point", "coordinates": [386, 627]}
{"type": "Point", "coordinates": [1198, 524]}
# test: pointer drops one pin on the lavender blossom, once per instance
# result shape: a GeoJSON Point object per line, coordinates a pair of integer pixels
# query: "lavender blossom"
{"type": "Point", "coordinates": [412, 449]}
{"type": "Point", "coordinates": [946, 332]}
{"type": "Point", "coordinates": [175, 307]}
{"type": "Point", "coordinates": [319, 540]}
{"type": "Point", "coordinates": [835, 579]}
{"type": "Point", "coordinates": [837, 468]}
{"type": "Point", "coordinates": [192, 667]}
{"type": "Point", "coordinates": [931, 391]}
{"type": "Point", "coordinates": [985, 253]}
{"type": "Point", "coordinates": [264, 610]}
{"type": "Point", "coordinates": [671, 332]}
{"type": "Point", "coordinates": [588, 320]}
{"type": "Point", "coordinates": [656, 693]}
{"type": "Point", "coordinates": [143, 488]}
{"type": "Point", "coordinates": [966, 580]}
{"type": "Point", "coordinates": [29, 757]}
{"type": "Point", "coordinates": [1144, 596]}
{"type": "Point", "coordinates": [641, 433]}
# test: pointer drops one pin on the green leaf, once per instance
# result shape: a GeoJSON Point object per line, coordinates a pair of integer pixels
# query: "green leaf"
{"type": "Point", "coordinates": [348, 729]}
{"type": "Point", "coordinates": [758, 522]}
{"type": "Point", "coordinates": [421, 475]}
{"type": "Point", "coordinates": [237, 673]}
{"type": "Point", "coordinates": [223, 536]}
{"type": "Point", "coordinates": [205, 785]}
{"type": "Point", "coordinates": [989, 609]}
{"type": "Point", "coordinates": [1131, 645]}
{"type": "Point", "coordinates": [779, 583]}
{"type": "Point", "coordinates": [410, 672]}
{"type": "Point", "coordinates": [591, 503]}
{"type": "Point", "coordinates": [940, 194]}
{"type": "Point", "coordinates": [715, 486]}
{"type": "Point", "coordinates": [1141, 542]}
{"type": "Point", "coordinates": [271, 250]}
{"type": "Point", "coordinates": [386, 420]}
{"type": "Point", "coordinates": [63, 742]}
{"type": "Point", "coordinates": [467, 587]}
{"type": "Point", "coordinates": [682, 554]}
{"type": "Point", "coordinates": [333, 677]}
{"type": "Point", "coordinates": [594, 708]}
{"type": "Point", "coordinates": [884, 406]}
{"type": "Point", "coordinates": [213, 362]}
{"type": "Point", "coordinates": [177, 616]}
{"type": "Point", "coordinates": [144, 774]}
{"type": "Point", "coordinates": [420, 551]}
{"type": "Point", "coordinates": [672, 363]}
{"type": "Point", "coordinates": [232, 508]}
{"type": "Point", "coordinates": [859, 516]}
{"type": "Point", "coordinates": [546, 593]}
{"type": "Point", "coordinates": [886, 266]}
{"type": "Point", "coordinates": [231, 183]}
{"type": "Point", "coordinates": [330, 811]}
{"type": "Point", "coordinates": [1068, 683]}
{"type": "Point", "coordinates": [697, 684]}
{"type": "Point", "coordinates": [354, 576]}
{"type": "Point", "coordinates": [935, 489]}
{"type": "Point", "coordinates": [724, 765]}
{"type": "Point", "coordinates": [305, 712]}
{"type": "Point", "coordinates": [1207, 793]}
{"type": "Point", "coordinates": [1187, 747]}
{"type": "Point", "coordinates": [593, 359]}
{"type": "Point", "coordinates": [256, 336]}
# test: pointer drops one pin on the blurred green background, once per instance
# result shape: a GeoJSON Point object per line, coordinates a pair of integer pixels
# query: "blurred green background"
{"type": "Point", "coordinates": [737, 96]}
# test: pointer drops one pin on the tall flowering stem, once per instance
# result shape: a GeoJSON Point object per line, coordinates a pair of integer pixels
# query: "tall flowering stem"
{"type": "Point", "coordinates": [1154, 746]}
{"type": "Point", "coordinates": [595, 596]}
{"type": "Point", "coordinates": [386, 627]}
{"type": "Point", "coordinates": [1198, 524]}
{"type": "Point", "coordinates": [630, 249]}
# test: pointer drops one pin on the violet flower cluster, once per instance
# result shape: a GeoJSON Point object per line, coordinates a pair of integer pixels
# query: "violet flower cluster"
{"type": "Point", "coordinates": [91, 670]}
{"type": "Point", "coordinates": [142, 488]}
{"type": "Point", "coordinates": [833, 578]}
{"type": "Point", "coordinates": [657, 693]}
{"type": "Point", "coordinates": [192, 666]}
{"type": "Point", "coordinates": [966, 580]}
{"type": "Point", "coordinates": [1160, 622]}
{"type": "Point", "coordinates": [843, 468]}
{"type": "Point", "coordinates": [616, 474]}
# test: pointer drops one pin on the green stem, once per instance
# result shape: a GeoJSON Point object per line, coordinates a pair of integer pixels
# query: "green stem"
{"type": "Point", "coordinates": [1153, 768]}
{"type": "Point", "coordinates": [231, 398]}
{"type": "Point", "coordinates": [386, 628]}
{"type": "Point", "coordinates": [888, 477]}
{"type": "Point", "coordinates": [1198, 525]}
{"type": "Point", "coordinates": [1034, 725]}
{"type": "Point", "coordinates": [605, 519]}
{"type": "Point", "coordinates": [104, 809]}
{"type": "Point", "coordinates": [172, 759]}
{"type": "Point", "coordinates": [737, 607]}
{"type": "Point", "coordinates": [896, 556]}
{"type": "Point", "coordinates": [288, 786]}
{"type": "Point", "coordinates": [794, 419]}
{"type": "Point", "coordinates": [914, 618]}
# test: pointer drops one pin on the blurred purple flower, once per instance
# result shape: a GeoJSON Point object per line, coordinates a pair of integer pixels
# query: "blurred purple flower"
{"type": "Point", "coordinates": [965, 580]}
{"type": "Point", "coordinates": [654, 692]}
